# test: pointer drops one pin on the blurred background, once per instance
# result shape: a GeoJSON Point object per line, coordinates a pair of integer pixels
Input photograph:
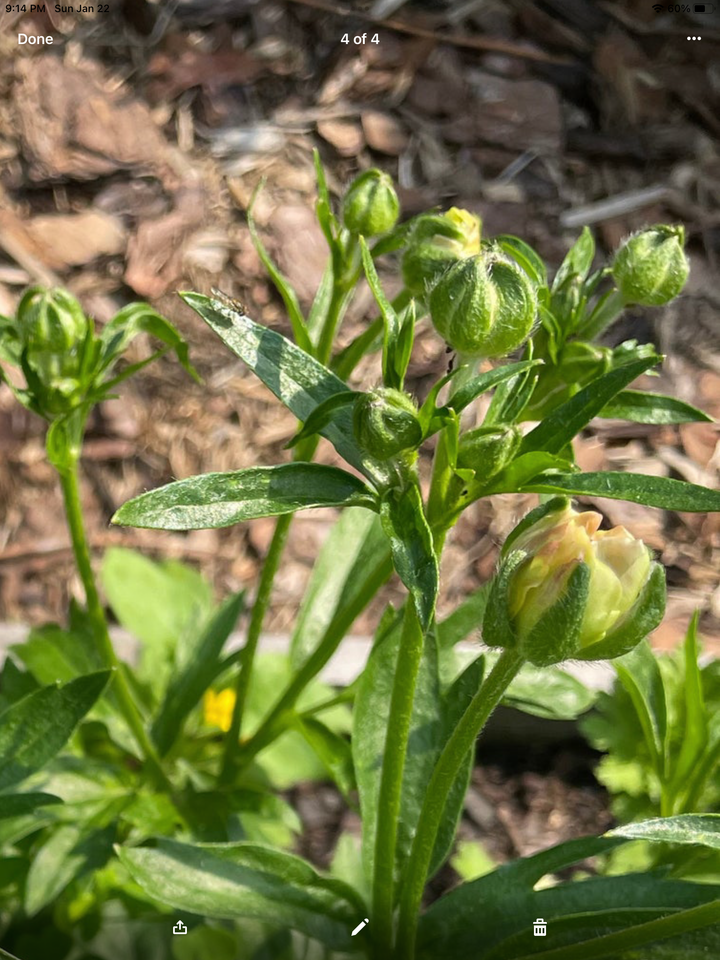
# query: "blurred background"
{"type": "Point", "coordinates": [129, 150]}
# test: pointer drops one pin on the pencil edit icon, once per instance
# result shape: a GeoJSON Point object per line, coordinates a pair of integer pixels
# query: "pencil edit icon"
{"type": "Point", "coordinates": [359, 927]}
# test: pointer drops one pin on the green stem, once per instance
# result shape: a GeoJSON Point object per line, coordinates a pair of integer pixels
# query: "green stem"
{"type": "Point", "coordinates": [336, 308]}
{"type": "Point", "coordinates": [257, 618]}
{"type": "Point", "coordinates": [446, 772]}
{"type": "Point", "coordinates": [393, 765]}
{"type": "Point", "coordinates": [612, 944]}
{"type": "Point", "coordinates": [273, 724]}
{"type": "Point", "coordinates": [126, 703]}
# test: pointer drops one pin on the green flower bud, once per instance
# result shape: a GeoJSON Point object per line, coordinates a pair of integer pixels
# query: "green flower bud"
{"type": "Point", "coordinates": [52, 329]}
{"type": "Point", "coordinates": [436, 242]}
{"type": "Point", "coordinates": [487, 449]}
{"type": "Point", "coordinates": [650, 268]}
{"type": "Point", "coordinates": [371, 205]}
{"type": "Point", "coordinates": [484, 305]}
{"type": "Point", "coordinates": [386, 422]}
{"type": "Point", "coordinates": [566, 589]}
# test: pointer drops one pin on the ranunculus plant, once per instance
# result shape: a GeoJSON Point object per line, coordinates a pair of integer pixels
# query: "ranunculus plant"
{"type": "Point", "coordinates": [181, 744]}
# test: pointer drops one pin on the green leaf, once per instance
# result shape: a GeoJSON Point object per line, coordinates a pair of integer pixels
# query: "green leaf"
{"type": "Point", "coordinates": [234, 880]}
{"type": "Point", "coordinates": [478, 385]}
{"type": "Point", "coordinates": [464, 619]}
{"type": "Point", "coordinates": [504, 406]}
{"type": "Point", "coordinates": [454, 702]}
{"type": "Point", "coordinates": [391, 322]}
{"type": "Point", "coordinates": [203, 942]}
{"type": "Point", "coordinates": [578, 260]}
{"type": "Point", "coordinates": [159, 603]}
{"type": "Point", "coordinates": [524, 255]}
{"type": "Point", "coordinates": [332, 749]}
{"type": "Point", "coordinates": [20, 804]}
{"type": "Point", "coordinates": [479, 920]}
{"type": "Point", "coordinates": [214, 500]}
{"type": "Point", "coordinates": [661, 492]}
{"type": "Point", "coordinates": [320, 304]}
{"type": "Point", "coordinates": [639, 673]}
{"type": "Point", "coordinates": [296, 379]}
{"type": "Point", "coordinates": [696, 720]}
{"type": "Point", "coordinates": [132, 320]}
{"type": "Point", "coordinates": [368, 341]}
{"type": "Point", "coordinates": [549, 692]}
{"type": "Point", "coordinates": [68, 852]}
{"type": "Point", "coordinates": [33, 730]}
{"type": "Point", "coordinates": [567, 420]}
{"type": "Point", "coordinates": [280, 282]}
{"type": "Point", "coordinates": [198, 669]}
{"type": "Point", "coordinates": [323, 210]}
{"type": "Point", "coordinates": [356, 545]}
{"type": "Point", "coordinates": [642, 407]}
{"type": "Point", "coordinates": [702, 829]}
{"type": "Point", "coordinates": [322, 415]}
{"type": "Point", "coordinates": [156, 602]}
{"type": "Point", "coordinates": [370, 732]}
{"type": "Point", "coordinates": [524, 469]}
{"type": "Point", "coordinates": [412, 548]}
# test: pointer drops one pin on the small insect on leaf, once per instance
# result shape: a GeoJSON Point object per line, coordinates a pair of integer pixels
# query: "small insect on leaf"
{"type": "Point", "coordinates": [229, 301]}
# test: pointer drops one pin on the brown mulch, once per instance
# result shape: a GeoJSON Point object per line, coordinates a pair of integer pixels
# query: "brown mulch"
{"type": "Point", "coordinates": [129, 151]}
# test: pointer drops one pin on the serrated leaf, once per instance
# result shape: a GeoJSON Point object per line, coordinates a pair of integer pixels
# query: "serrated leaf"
{"type": "Point", "coordinates": [35, 728]}
{"type": "Point", "coordinates": [214, 500]}
{"type": "Point", "coordinates": [642, 407]}
{"type": "Point", "coordinates": [661, 492]}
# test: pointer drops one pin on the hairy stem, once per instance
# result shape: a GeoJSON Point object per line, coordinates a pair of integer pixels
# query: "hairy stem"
{"type": "Point", "coordinates": [126, 703]}
{"type": "Point", "coordinates": [447, 770]}
{"type": "Point", "coordinates": [393, 765]}
{"type": "Point", "coordinates": [257, 618]}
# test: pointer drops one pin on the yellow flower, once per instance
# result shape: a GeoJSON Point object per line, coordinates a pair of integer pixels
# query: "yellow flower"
{"type": "Point", "coordinates": [218, 708]}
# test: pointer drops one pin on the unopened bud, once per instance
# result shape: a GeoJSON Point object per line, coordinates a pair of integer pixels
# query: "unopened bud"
{"type": "Point", "coordinates": [484, 305]}
{"type": "Point", "coordinates": [566, 589]}
{"type": "Point", "coordinates": [371, 206]}
{"type": "Point", "coordinates": [386, 422]}
{"type": "Point", "coordinates": [436, 242]}
{"type": "Point", "coordinates": [52, 328]}
{"type": "Point", "coordinates": [650, 268]}
{"type": "Point", "coordinates": [488, 449]}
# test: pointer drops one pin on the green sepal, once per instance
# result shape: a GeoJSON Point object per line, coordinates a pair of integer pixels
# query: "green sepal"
{"type": "Point", "coordinates": [497, 628]}
{"type": "Point", "coordinates": [556, 635]}
{"type": "Point", "coordinates": [644, 616]}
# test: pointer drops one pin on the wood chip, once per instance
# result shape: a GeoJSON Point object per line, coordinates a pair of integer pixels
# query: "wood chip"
{"type": "Point", "coordinates": [345, 135]}
{"type": "Point", "coordinates": [383, 132]}
{"type": "Point", "coordinates": [75, 239]}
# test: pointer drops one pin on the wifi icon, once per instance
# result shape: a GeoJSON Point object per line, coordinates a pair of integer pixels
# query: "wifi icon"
{"type": "Point", "coordinates": [657, 7]}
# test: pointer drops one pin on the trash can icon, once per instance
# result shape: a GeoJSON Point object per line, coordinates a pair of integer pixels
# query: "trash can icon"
{"type": "Point", "coordinates": [540, 927]}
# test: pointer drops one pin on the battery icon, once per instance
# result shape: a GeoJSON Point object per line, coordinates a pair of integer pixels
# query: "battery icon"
{"type": "Point", "coordinates": [703, 8]}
